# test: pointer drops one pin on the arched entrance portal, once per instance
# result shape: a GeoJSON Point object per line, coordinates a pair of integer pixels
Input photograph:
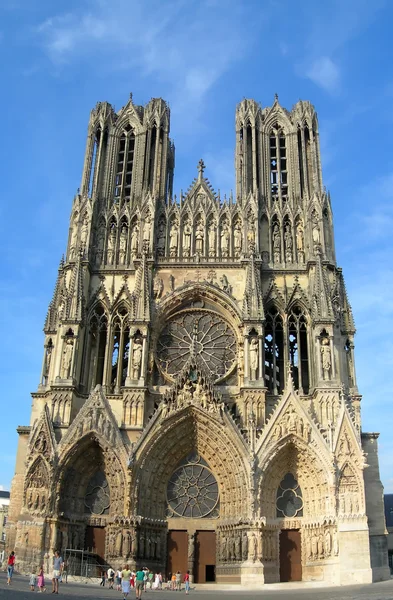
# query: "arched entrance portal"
{"type": "Point", "coordinates": [192, 475]}
{"type": "Point", "coordinates": [294, 492]}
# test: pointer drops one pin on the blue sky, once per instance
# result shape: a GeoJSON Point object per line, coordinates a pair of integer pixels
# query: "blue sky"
{"type": "Point", "coordinates": [59, 58]}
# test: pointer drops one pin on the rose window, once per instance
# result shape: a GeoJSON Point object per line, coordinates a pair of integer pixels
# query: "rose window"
{"type": "Point", "coordinates": [201, 334]}
{"type": "Point", "coordinates": [193, 490]}
{"type": "Point", "coordinates": [289, 501]}
{"type": "Point", "coordinates": [97, 499]}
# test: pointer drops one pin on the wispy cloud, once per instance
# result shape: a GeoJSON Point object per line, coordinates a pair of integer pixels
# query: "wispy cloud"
{"type": "Point", "coordinates": [325, 73]}
{"type": "Point", "coordinates": [186, 46]}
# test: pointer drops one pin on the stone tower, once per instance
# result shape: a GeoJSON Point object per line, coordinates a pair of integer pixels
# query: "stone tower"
{"type": "Point", "coordinates": [197, 405]}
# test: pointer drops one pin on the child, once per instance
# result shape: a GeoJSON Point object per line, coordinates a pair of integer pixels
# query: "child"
{"type": "Point", "coordinates": [32, 580]}
{"type": "Point", "coordinates": [41, 580]}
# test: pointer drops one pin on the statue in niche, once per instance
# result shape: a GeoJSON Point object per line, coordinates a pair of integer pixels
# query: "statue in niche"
{"type": "Point", "coordinates": [74, 238]}
{"type": "Point", "coordinates": [174, 239]}
{"type": "Point", "coordinates": [237, 239]}
{"type": "Point", "coordinates": [171, 283]}
{"type": "Point", "coordinates": [161, 239]}
{"type": "Point", "coordinates": [326, 359]}
{"type": "Point", "coordinates": [187, 238]}
{"type": "Point", "coordinates": [48, 360]}
{"type": "Point", "coordinates": [147, 233]}
{"type": "Point", "coordinates": [137, 358]}
{"type": "Point", "coordinates": [191, 546]}
{"type": "Point", "coordinates": [254, 547]}
{"type": "Point", "coordinates": [199, 237]}
{"type": "Point", "coordinates": [158, 287]}
{"type": "Point", "coordinates": [251, 236]}
{"type": "Point", "coordinates": [316, 233]}
{"type": "Point", "coordinates": [100, 246]}
{"type": "Point", "coordinates": [135, 241]}
{"type": "Point", "coordinates": [300, 237]}
{"type": "Point", "coordinates": [254, 356]}
{"type": "Point", "coordinates": [123, 245]}
{"type": "Point", "coordinates": [276, 243]}
{"type": "Point", "coordinates": [244, 545]}
{"type": "Point", "coordinates": [335, 543]}
{"type": "Point", "coordinates": [84, 231]}
{"type": "Point", "coordinates": [288, 243]}
{"type": "Point", "coordinates": [212, 238]}
{"type": "Point", "coordinates": [328, 543]}
{"type": "Point", "coordinates": [225, 239]}
{"type": "Point", "coordinates": [111, 244]}
{"type": "Point", "coordinates": [314, 546]}
{"type": "Point", "coordinates": [66, 359]}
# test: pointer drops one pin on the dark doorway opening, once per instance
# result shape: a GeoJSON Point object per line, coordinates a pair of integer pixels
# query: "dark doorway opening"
{"type": "Point", "coordinates": [210, 573]}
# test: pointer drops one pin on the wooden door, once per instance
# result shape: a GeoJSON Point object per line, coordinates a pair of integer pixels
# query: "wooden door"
{"type": "Point", "coordinates": [205, 556]}
{"type": "Point", "coordinates": [290, 555]}
{"type": "Point", "coordinates": [95, 541]}
{"type": "Point", "coordinates": [177, 552]}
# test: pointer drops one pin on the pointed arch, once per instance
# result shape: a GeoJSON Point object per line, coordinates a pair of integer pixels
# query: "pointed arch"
{"type": "Point", "coordinates": [274, 350]}
{"type": "Point", "coordinates": [298, 324]}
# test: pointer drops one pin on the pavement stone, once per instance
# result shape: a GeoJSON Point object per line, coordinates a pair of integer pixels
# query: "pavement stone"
{"type": "Point", "coordinates": [377, 591]}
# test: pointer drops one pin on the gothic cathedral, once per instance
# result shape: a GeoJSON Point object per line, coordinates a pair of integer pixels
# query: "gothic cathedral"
{"type": "Point", "coordinates": [197, 405]}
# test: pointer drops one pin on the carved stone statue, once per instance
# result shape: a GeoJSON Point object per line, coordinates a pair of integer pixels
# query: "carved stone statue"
{"type": "Point", "coordinates": [212, 238]}
{"type": "Point", "coordinates": [137, 358]}
{"type": "Point", "coordinates": [237, 239]}
{"type": "Point", "coordinates": [147, 232]}
{"type": "Point", "coordinates": [123, 245]}
{"type": "Point", "coordinates": [316, 234]}
{"type": "Point", "coordinates": [174, 239]}
{"type": "Point", "coordinates": [276, 243]}
{"type": "Point", "coordinates": [74, 238]}
{"type": "Point", "coordinates": [191, 546]}
{"type": "Point", "coordinates": [84, 231]}
{"type": "Point", "coordinates": [300, 237]}
{"type": "Point", "coordinates": [225, 239]}
{"type": "Point", "coordinates": [135, 240]}
{"type": "Point", "coordinates": [326, 358]}
{"type": "Point", "coordinates": [288, 243]}
{"type": "Point", "coordinates": [99, 249]}
{"type": "Point", "coordinates": [66, 359]}
{"type": "Point", "coordinates": [245, 545]}
{"type": "Point", "coordinates": [251, 236]}
{"type": "Point", "coordinates": [111, 244]}
{"type": "Point", "coordinates": [161, 239]}
{"type": "Point", "coordinates": [199, 237]}
{"type": "Point", "coordinates": [158, 287]}
{"type": "Point", "coordinates": [254, 356]}
{"type": "Point", "coordinates": [187, 239]}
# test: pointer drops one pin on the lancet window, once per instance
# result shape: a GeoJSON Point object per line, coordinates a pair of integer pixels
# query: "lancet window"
{"type": "Point", "coordinates": [278, 164]}
{"type": "Point", "coordinates": [98, 338]}
{"type": "Point", "coordinates": [274, 351]}
{"type": "Point", "coordinates": [120, 348]}
{"type": "Point", "coordinates": [124, 165]}
{"type": "Point", "coordinates": [298, 348]}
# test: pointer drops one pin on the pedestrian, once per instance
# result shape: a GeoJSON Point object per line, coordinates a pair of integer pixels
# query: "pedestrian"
{"type": "Point", "coordinates": [102, 582]}
{"type": "Point", "coordinates": [151, 577]}
{"type": "Point", "coordinates": [33, 579]}
{"type": "Point", "coordinates": [57, 571]}
{"type": "Point", "coordinates": [139, 582]}
{"type": "Point", "coordinates": [118, 580]}
{"type": "Point", "coordinates": [145, 577]}
{"type": "Point", "coordinates": [174, 582]}
{"type": "Point", "coordinates": [111, 578]}
{"type": "Point", "coordinates": [41, 580]}
{"type": "Point", "coordinates": [10, 567]}
{"type": "Point", "coordinates": [125, 581]}
{"type": "Point", "coordinates": [178, 581]}
{"type": "Point", "coordinates": [132, 579]}
{"type": "Point", "coordinates": [187, 582]}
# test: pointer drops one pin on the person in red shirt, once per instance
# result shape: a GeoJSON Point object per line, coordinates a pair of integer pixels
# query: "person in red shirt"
{"type": "Point", "coordinates": [187, 582]}
{"type": "Point", "coordinates": [10, 567]}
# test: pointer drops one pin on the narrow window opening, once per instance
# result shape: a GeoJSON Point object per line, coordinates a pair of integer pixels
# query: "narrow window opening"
{"type": "Point", "coordinates": [249, 158]}
{"type": "Point", "coordinates": [274, 352]}
{"type": "Point", "coordinates": [93, 166]}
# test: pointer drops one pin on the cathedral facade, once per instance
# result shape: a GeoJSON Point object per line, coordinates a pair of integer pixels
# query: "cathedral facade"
{"type": "Point", "coordinates": [197, 405]}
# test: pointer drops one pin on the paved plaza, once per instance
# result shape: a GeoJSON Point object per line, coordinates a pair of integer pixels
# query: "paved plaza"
{"type": "Point", "coordinates": [377, 591]}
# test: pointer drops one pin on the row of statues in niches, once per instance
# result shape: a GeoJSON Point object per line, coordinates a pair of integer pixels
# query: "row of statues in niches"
{"type": "Point", "coordinates": [118, 244]}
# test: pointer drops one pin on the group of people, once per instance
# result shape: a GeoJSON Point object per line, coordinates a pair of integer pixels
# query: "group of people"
{"type": "Point", "coordinates": [37, 576]}
{"type": "Point", "coordinates": [141, 580]}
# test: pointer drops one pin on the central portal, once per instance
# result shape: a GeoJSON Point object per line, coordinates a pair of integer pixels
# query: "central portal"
{"type": "Point", "coordinates": [290, 555]}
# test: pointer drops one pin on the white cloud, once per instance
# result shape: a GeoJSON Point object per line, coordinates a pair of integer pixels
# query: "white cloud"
{"type": "Point", "coordinates": [186, 46]}
{"type": "Point", "coordinates": [324, 73]}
